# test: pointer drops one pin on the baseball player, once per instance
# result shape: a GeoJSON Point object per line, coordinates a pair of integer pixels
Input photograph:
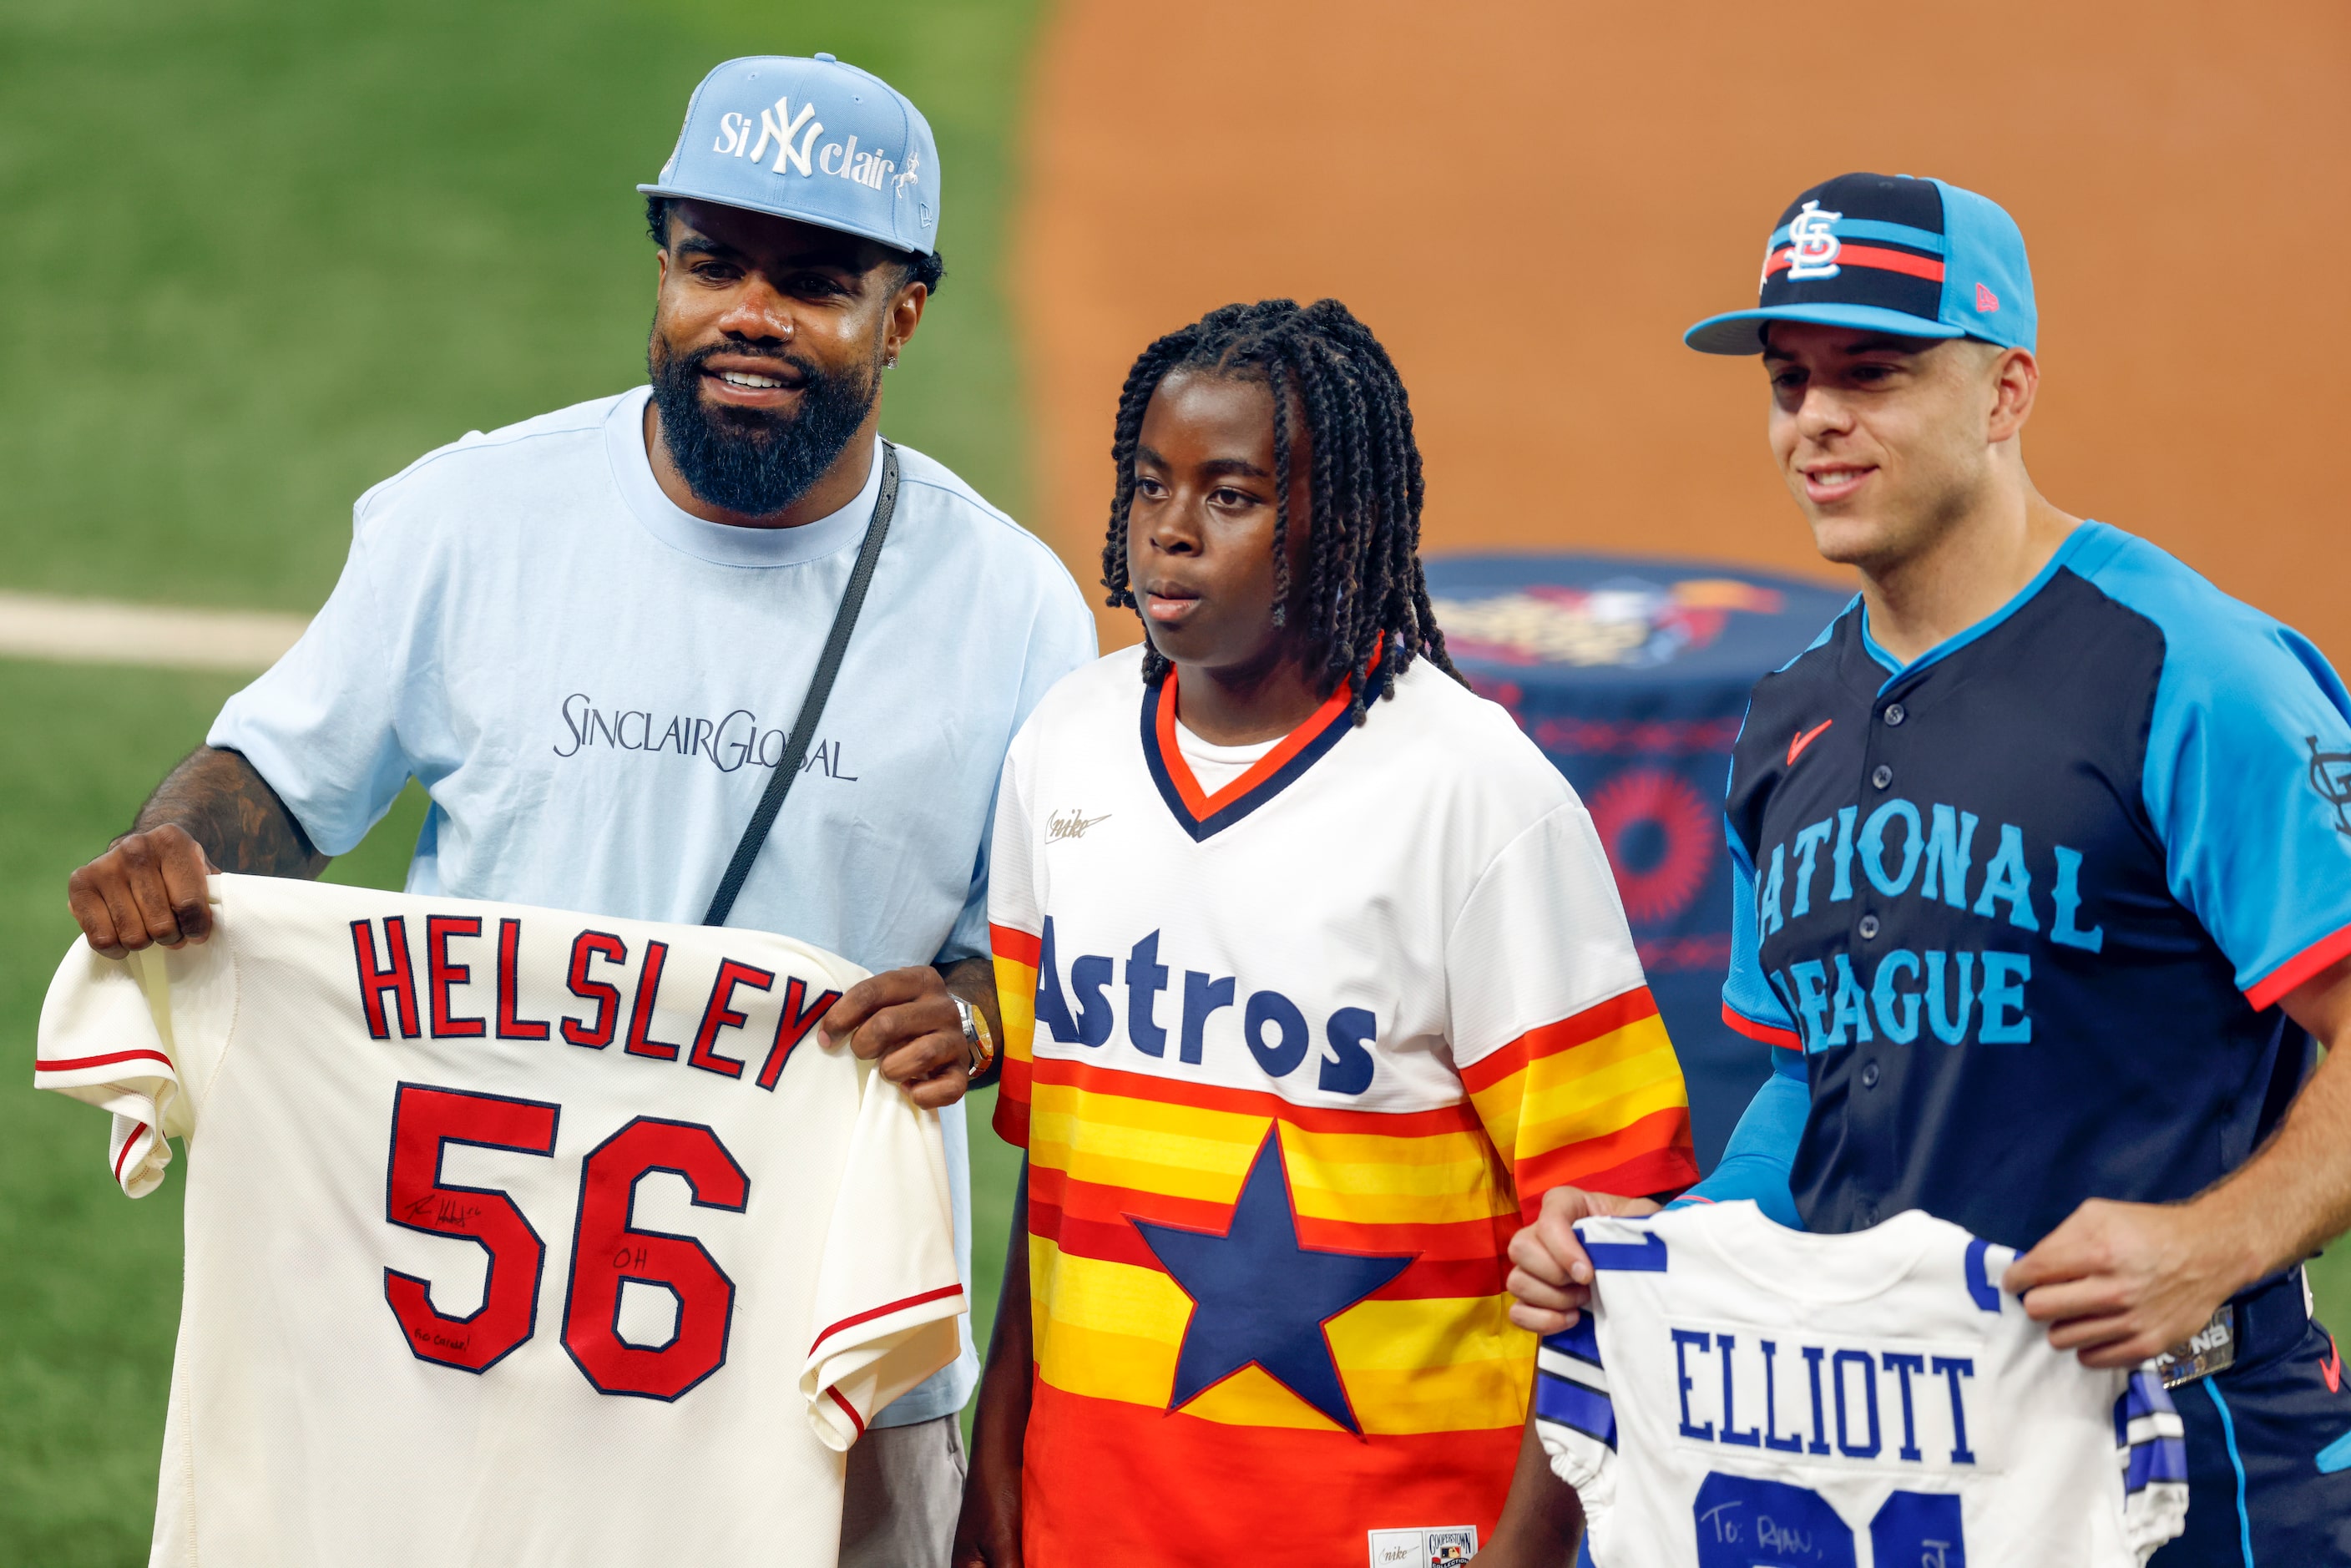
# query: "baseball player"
{"type": "Point", "coordinates": [1330, 981]}
{"type": "Point", "coordinates": [587, 634]}
{"type": "Point", "coordinates": [2043, 878]}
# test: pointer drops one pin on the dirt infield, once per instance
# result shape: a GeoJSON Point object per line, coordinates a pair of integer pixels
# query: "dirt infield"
{"type": "Point", "coordinates": [1529, 200]}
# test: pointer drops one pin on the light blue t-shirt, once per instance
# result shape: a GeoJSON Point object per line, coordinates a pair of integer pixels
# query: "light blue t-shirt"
{"type": "Point", "coordinates": [595, 685]}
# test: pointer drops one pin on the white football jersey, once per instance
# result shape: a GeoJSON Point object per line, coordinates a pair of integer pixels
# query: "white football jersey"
{"type": "Point", "coordinates": [1743, 1395]}
{"type": "Point", "coordinates": [512, 1236]}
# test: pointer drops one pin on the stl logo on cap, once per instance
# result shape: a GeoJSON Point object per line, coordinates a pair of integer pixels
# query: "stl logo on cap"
{"type": "Point", "coordinates": [1813, 245]}
{"type": "Point", "coordinates": [1887, 252]}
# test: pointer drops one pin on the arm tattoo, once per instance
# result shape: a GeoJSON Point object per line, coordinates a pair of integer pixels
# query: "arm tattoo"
{"type": "Point", "coordinates": [229, 807]}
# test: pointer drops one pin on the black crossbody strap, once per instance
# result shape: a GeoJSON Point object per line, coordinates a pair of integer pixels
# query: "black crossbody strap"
{"type": "Point", "coordinates": [828, 666]}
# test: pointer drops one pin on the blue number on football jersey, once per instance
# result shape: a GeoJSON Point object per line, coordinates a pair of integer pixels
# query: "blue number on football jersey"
{"type": "Point", "coordinates": [1921, 1528]}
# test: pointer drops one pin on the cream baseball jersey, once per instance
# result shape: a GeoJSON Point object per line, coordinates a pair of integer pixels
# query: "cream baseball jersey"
{"type": "Point", "coordinates": [512, 1235]}
{"type": "Point", "coordinates": [1304, 1046]}
{"type": "Point", "coordinates": [1744, 1395]}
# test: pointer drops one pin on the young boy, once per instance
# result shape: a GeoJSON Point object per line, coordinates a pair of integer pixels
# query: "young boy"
{"type": "Point", "coordinates": [1331, 983]}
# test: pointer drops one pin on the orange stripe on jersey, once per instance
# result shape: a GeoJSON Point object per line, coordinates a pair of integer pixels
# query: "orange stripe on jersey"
{"type": "Point", "coordinates": [1173, 1490]}
{"type": "Point", "coordinates": [1604, 1018]}
{"type": "Point", "coordinates": [1448, 1260]}
{"type": "Point", "coordinates": [1652, 1155]}
{"type": "Point", "coordinates": [1363, 1230]}
{"type": "Point", "coordinates": [1020, 947]}
{"type": "Point", "coordinates": [1017, 954]}
{"type": "Point", "coordinates": [1061, 1071]}
{"type": "Point", "coordinates": [1425, 1280]}
{"type": "Point", "coordinates": [1596, 1098]}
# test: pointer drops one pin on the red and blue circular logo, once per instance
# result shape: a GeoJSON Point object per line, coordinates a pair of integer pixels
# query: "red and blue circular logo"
{"type": "Point", "coordinates": [1660, 835]}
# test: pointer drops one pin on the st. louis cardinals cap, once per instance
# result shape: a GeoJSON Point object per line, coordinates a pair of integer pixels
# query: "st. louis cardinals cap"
{"type": "Point", "coordinates": [1922, 258]}
{"type": "Point", "coordinates": [815, 139]}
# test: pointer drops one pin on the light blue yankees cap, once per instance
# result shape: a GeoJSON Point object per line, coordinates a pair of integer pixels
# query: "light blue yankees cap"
{"type": "Point", "coordinates": [1886, 253]}
{"type": "Point", "coordinates": [815, 139]}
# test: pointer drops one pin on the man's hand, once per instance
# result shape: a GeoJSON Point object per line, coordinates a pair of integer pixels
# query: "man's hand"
{"type": "Point", "coordinates": [148, 888]}
{"type": "Point", "coordinates": [1551, 1277]}
{"type": "Point", "coordinates": [987, 1533]}
{"type": "Point", "coordinates": [906, 1022]}
{"type": "Point", "coordinates": [2122, 1281]}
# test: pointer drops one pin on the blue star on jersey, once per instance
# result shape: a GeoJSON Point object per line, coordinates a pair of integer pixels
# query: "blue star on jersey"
{"type": "Point", "coordinates": [1258, 1298]}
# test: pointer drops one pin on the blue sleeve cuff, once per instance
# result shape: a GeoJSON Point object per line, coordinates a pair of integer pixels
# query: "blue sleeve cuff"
{"type": "Point", "coordinates": [1757, 1162]}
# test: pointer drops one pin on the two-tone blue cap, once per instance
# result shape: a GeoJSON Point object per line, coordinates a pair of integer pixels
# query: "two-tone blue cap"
{"type": "Point", "coordinates": [1920, 258]}
{"type": "Point", "coordinates": [815, 139]}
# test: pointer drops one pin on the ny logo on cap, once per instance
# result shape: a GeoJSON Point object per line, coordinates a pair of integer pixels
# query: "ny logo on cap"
{"type": "Point", "coordinates": [1812, 246]}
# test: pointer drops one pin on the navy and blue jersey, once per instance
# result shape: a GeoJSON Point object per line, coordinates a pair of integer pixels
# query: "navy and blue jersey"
{"type": "Point", "coordinates": [2026, 906]}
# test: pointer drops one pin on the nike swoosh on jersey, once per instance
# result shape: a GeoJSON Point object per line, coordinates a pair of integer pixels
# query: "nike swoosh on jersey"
{"type": "Point", "coordinates": [1796, 747]}
{"type": "Point", "coordinates": [2332, 1368]}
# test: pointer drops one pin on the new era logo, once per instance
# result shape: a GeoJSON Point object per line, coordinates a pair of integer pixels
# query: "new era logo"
{"type": "Point", "coordinates": [1986, 300]}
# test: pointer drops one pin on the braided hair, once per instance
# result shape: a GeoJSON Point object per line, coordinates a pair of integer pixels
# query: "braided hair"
{"type": "Point", "coordinates": [1364, 587]}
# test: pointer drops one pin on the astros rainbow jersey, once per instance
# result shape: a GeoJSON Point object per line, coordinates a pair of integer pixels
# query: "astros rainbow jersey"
{"type": "Point", "coordinates": [1306, 1044]}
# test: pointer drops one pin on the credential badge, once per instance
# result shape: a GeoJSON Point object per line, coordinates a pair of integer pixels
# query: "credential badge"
{"type": "Point", "coordinates": [1813, 245]}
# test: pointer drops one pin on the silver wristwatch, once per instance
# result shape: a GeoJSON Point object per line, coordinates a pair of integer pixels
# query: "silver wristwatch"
{"type": "Point", "coordinates": [981, 1048]}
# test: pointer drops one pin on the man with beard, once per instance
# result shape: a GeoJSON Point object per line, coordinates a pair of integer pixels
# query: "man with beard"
{"type": "Point", "coordinates": [586, 636]}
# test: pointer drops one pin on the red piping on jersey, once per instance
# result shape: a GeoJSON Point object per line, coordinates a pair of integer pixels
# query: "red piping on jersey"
{"type": "Point", "coordinates": [76, 1063]}
{"type": "Point", "coordinates": [847, 1409]}
{"type": "Point", "coordinates": [2298, 969]}
{"type": "Point", "coordinates": [136, 1129]}
{"type": "Point", "coordinates": [940, 1294]}
{"type": "Point", "coordinates": [1868, 255]}
{"type": "Point", "coordinates": [1785, 1039]}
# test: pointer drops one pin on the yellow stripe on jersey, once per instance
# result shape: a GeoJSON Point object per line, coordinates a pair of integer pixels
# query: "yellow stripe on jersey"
{"type": "Point", "coordinates": [1596, 1099]}
{"type": "Point", "coordinates": [1114, 1330]}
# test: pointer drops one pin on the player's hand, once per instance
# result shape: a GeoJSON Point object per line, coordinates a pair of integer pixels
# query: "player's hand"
{"type": "Point", "coordinates": [1551, 1276]}
{"type": "Point", "coordinates": [148, 888]}
{"type": "Point", "coordinates": [987, 1533]}
{"type": "Point", "coordinates": [905, 1021]}
{"type": "Point", "coordinates": [2122, 1281]}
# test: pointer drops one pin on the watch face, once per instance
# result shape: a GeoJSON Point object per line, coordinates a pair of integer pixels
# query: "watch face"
{"type": "Point", "coordinates": [974, 1034]}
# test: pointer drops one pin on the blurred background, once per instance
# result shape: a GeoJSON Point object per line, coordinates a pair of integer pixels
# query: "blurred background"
{"type": "Point", "coordinates": [262, 255]}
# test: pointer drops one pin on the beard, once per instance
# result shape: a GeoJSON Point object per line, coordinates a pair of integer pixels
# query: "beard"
{"type": "Point", "coordinates": [749, 461]}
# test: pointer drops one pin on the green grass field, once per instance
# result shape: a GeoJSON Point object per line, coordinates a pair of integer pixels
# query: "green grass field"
{"type": "Point", "coordinates": [263, 254]}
